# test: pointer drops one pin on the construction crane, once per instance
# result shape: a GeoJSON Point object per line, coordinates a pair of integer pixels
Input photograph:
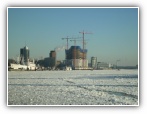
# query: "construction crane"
{"type": "Point", "coordinates": [74, 40]}
{"type": "Point", "coordinates": [83, 33]}
{"type": "Point", "coordinates": [67, 38]}
{"type": "Point", "coordinates": [85, 42]}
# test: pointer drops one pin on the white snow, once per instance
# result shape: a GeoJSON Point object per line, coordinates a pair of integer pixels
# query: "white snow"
{"type": "Point", "coordinates": [98, 87]}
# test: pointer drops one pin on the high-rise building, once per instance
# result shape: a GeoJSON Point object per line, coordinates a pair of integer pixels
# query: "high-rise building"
{"type": "Point", "coordinates": [24, 54]}
{"type": "Point", "coordinates": [52, 59]}
{"type": "Point", "coordinates": [53, 54]}
{"type": "Point", "coordinates": [94, 62]}
{"type": "Point", "coordinates": [75, 52]}
{"type": "Point", "coordinates": [21, 52]}
{"type": "Point", "coordinates": [76, 57]}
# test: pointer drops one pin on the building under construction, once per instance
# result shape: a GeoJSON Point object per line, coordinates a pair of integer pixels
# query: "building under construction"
{"type": "Point", "coordinates": [75, 52]}
{"type": "Point", "coordinates": [76, 57]}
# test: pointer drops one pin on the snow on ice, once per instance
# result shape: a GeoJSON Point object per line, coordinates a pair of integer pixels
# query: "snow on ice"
{"type": "Point", "coordinates": [98, 87]}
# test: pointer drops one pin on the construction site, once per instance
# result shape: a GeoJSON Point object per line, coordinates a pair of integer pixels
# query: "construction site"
{"type": "Point", "coordinates": [75, 56]}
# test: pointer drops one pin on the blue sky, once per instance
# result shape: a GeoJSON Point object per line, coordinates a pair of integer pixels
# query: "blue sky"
{"type": "Point", "coordinates": [115, 32]}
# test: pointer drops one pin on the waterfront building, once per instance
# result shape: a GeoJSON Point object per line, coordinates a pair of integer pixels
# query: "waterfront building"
{"type": "Point", "coordinates": [103, 65]}
{"type": "Point", "coordinates": [76, 57]}
{"type": "Point", "coordinates": [52, 59]}
{"type": "Point", "coordinates": [24, 55]}
{"type": "Point", "coordinates": [53, 54]}
{"type": "Point", "coordinates": [75, 52]}
{"type": "Point", "coordinates": [25, 63]}
{"type": "Point", "coordinates": [94, 62]}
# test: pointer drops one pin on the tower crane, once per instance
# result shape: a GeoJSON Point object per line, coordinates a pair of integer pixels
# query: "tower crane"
{"type": "Point", "coordinates": [83, 33]}
{"type": "Point", "coordinates": [75, 56]}
{"type": "Point", "coordinates": [67, 38]}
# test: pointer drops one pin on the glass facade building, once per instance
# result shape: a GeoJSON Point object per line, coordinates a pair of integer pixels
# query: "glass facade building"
{"type": "Point", "coordinates": [25, 54]}
{"type": "Point", "coordinates": [75, 52]}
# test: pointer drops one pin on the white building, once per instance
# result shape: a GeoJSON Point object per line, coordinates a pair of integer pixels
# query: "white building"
{"type": "Point", "coordinates": [25, 63]}
{"type": "Point", "coordinates": [78, 64]}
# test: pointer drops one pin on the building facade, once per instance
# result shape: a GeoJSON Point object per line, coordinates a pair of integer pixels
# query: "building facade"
{"type": "Point", "coordinates": [24, 55]}
{"type": "Point", "coordinates": [53, 54]}
{"type": "Point", "coordinates": [103, 65]}
{"type": "Point", "coordinates": [52, 59]}
{"type": "Point", "coordinates": [77, 63]}
{"type": "Point", "coordinates": [75, 52]}
{"type": "Point", "coordinates": [76, 57]}
{"type": "Point", "coordinates": [94, 62]}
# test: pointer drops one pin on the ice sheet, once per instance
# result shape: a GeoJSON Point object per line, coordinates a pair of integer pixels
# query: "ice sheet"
{"type": "Point", "coordinates": [98, 87]}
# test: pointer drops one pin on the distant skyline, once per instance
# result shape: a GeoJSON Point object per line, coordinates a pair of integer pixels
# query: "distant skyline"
{"type": "Point", "coordinates": [115, 32]}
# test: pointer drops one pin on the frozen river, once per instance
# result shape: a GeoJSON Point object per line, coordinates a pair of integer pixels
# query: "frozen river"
{"type": "Point", "coordinates": [101, 87]}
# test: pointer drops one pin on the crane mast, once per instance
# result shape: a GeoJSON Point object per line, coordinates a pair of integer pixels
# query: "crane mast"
{"type": "Point", "coordinates": [83, 33]}
{"type": "Point", "coordinates": [66, 40]}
